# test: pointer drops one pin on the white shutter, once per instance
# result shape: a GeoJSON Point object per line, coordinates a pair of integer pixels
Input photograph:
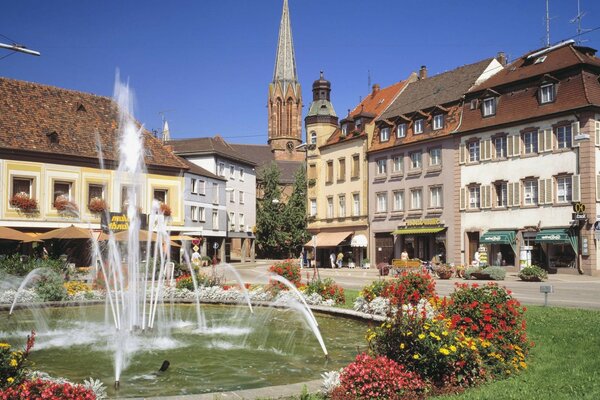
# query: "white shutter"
{"type": "Point", "coordinates": [597, 133]}
{"type": "Point", "coordinates": [487, 145]}
{"type": "Point", "coordinates": [597, 187]}
{"type": "Point", "coordinates": [461, 154]}
{"type": "Point", "coordinates": [548, 139]}
{"type": "Point", "coordinates": [509, 146]}
{"type": "Point", "coordinates": [516, 145]}
{"type": "Point", "coordinates": [463, 198]}
{"type": "Point", "coordinates": [549, 191]}
{"type": "Point", "coordinates": [541, 191]}
{"type": "Point", "coordinates": [517, 194]}
{"type": "Point", "coordinates": [575, 186]}
{"type": "Point", "coordinates": [487, 190]}
{"type": "Point", "coordinates": [509, 194]}
{"type": "Point", "coordinates": [574, 132]}
{"type": "Point", "coordinates": [541, 140]}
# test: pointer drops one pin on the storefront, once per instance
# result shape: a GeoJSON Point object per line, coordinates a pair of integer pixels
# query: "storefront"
{"type": "Point", "coordinates": [323, 244]}
{"type": "Point", "coordinates": [559, 246]}
{"type": "Point", "coordinates": [423, 239]}
{"type": "Point", "coordinates": [501, 247]}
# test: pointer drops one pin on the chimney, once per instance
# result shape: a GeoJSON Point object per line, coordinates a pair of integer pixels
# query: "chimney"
{"type": "Point", "coordinates": [501, 57]}
{"type": "Point", "coordinates": [375, 89]}
{"type": "Point", "coordinates": [423, 72]}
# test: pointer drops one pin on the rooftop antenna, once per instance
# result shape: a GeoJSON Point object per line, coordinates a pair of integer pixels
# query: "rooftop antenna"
{"type": "Point", "coordinates": [17, 48]}
{"type": "Point", "coordinates": [577, 20]}
{"type": "Point", "coordinates": [368, 79]}
{"type": "Point", "coordinates": [547, 24]}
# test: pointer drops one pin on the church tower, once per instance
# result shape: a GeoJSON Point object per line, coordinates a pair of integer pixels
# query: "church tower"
{"type": "Point", "coordinates": [285, 97]}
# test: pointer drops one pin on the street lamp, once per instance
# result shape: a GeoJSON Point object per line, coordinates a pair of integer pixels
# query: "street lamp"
{"type": "Point", "coordinates": [306, 147]}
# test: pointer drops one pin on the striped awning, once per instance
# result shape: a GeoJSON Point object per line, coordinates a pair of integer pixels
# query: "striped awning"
{"type": "Point", "coordinates": [419, 231]}
{"type": "Point", "coordinates": [328, 239]}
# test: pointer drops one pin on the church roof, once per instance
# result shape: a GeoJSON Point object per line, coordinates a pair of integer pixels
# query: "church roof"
{"type": "Point", "coordinates": [285, 62]}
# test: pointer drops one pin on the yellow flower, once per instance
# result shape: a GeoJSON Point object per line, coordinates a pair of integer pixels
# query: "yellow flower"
{"type": "Point", "coordinates": [445, 333]}
{"type": "Point", "coordinates": [402, 345]}
{"type": "Point", "coordinates": [4, 345]}
{"type": "Point", "coordinates": [13, 362]}
{"type": "Point", "coordinates": [453, 348]}
{"type": "Point", "coordinates": [426, 326]}
{"type": "Point", "coordinates": [409, 333]}
{"type": "Point", "coordinates": [10, 380]}
{"type": "Point", "coordinates": [523, 365]}
{"type": "Point", "coordinates": [416, 356]}
{"type": "Point", "coordinates": [421, 336]}
{"type": "Point", "coordinates": [444, 351]}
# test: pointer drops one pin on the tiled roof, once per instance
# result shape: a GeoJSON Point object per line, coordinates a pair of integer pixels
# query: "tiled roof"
{"type": "Point", "coordinates": [436, 90]}
{"type": "Point", "coordinates": [262, 156]}
{"type": "Point", "coordinates": [31, 115]}
{"type": "Point", "coordinates": [198, 170]}
{"type": "Point", "coordinates": [209, 145]}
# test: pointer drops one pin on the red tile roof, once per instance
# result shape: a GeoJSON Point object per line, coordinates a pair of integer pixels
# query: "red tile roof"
{"type": "Point", "coordinates": [31, 114]}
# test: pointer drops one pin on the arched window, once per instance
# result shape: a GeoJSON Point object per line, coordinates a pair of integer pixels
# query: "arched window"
{"type": "Point", "coordinates": [279, 117]}
{"type": "Point", "coordinates": [313, 137]}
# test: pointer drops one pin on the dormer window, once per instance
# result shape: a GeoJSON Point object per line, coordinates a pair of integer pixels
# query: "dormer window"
{"type": "Point", "coordinates": [401, 130]}
{"type": "Point", "coordinates": [313, 137]}
{"type": "Point", "coordinates": [344, 129]}
{"type": "Point", "coordinates": [547, 93]}
{"type": "Point", "coordinates": [489, 106]}
{"type": "Point", "coordinates": [438, 121]}
{"type": "Point", "coordinates": [358, 123]}
{"type": "Point", "coordinates": [385, 134]}
{"type": "Point", "coordinates": [418, 126]}
{"type": "Point", "coordinates": [52, 137]}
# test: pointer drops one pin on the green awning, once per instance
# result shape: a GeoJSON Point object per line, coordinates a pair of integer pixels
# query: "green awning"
{"type": "Point", "coordinates": [418, 231]}
{"type": "Point", "coordinates": [558, 236]}
{"type": "Point", "coordinates": [498, 237]}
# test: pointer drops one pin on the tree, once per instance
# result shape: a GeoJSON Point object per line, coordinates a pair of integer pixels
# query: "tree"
{"type": "Point", "coordinates": [269, 218]}
{"type": "Point", "coordinates": [294, 216]}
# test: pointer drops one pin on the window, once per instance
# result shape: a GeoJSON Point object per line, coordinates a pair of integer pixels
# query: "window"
{"type": "Point", "coordinates": [474, 199]}
{"type": "Point", "coordinates": [355, 166]}
{"type": "Point", "coordinates": [398, 204]}
{"type": "Point", "coordinates": [313, 137]}
{"type": "Point", "coordinates": [415, 160]}
{"type": "Point", "coordinates": [201, 189]}
{"type": "Point", "coordinates": [23, 186]}
{"type": "Point", "coordinates": [194, 186]}
{"type": "Point", "coordinates": [358, 124]}
{"type": "Point", "coordinates": [530, 142]}
{"type": "Point", "coordinates": [62, 190]}
{"type": "Point", "coordinates": [397, 162]}
{"type": "Point", "coordinates": [418, 127]}
{"type": "Point", "coordinates": [241, 197]}
{"type": "Point", "coordinates": [313, 207]}
{"type": "Point", "coordinates": [221, 171]}
{"type": "Point", "coordinates": [501, 194]}
{"type": "Point", "coordinates": [381, 202]}
{"type": "Point", "coordinates": [215, 219]}
{"type": "Point", "coordinates": [201, 214]}
{"type": "Point", "coordinates": [342, 169]}
{"type": "Point", "coordinates": [435, 197]}
{"type": "Point", "coordinates": [126, 193]}
{"type": "Point", "coordinates": [416, 199]}
{"type": "Point", "coordinates": [564, 191]}
{"type": "Point", "coordinates": [241, 174]}
{"type": "Point", "coordinates": [435, 157]}
{"type": "Point", "coordinates": [385, 134]}
{"type": "Point", "coordinates": [473, 151]}
{"type": "Point", "coordinates": [547, 93]}
{"type": "Point", "coordinates": [194, 213]}
{"type": "Point", "coordinates": [232, 221]}
{"type": "Point", "coordinates": [344, 129]}
{"type": "Point", "coordinates": [382, 166]}
{"type": "Point", "coordinates": [401, 130]}
{"type": "Point", "coordinates": [530, 192]}
{"type": "Point", "coordinates": [231, 172]}
{"type": "Point", "coordinates": [329, 171]}
{"type": "Point", "coordinates": [95, 192]}
{"type": "Point", "coordinates": [312, 171]}
{"type": "Point", "coordinates": [499, 147]}
{"type": "Point", "coordinates": [489, 107]}
{"type": "Point", "coordinates": [242, 221]}
{"type": "Point", "coordinates": [330, 207]}
{"type": "Point", "coordinates": [438, 121]}
{"type": "Point", "coordinates": [215, 194]}
{"type": "Point", "coordinates": [231, 195]}
{"type": "Point", "coordinates": [161, 195]}
{"type": "Point", "coordinates": [342, 206]}
{"type": "Point", "coordinates": [563, 137]}
{"type": "Point", "coordinates": [356, 204]}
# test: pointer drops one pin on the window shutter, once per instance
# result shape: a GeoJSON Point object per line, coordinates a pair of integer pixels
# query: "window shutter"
{"type": "Point", "coordinates": [516, 145]}
{"type": "Point", "coordinates": [574, 132]}
{"type": "Point", "coordinates": [517, 194]}
{"type": "Point", "coordinates": [509, 194]}
{"type": "Point", "coordinates": [509, 146]}
{"type": "Point", "coordinates": [597, 187]}
{"type": "Point", "coordinates": [461, 153]}
{"type": "Point", "coordinates": [541, 146]}
{"type": "Point", "coordinates": [548, 136]}
{"type": "Point", "coordinates": [463, 198]}
{"type": "Point", "coordinates": [488, 196]}
{"type": "Point", "coordinates": [541, 191]}
{"type": "Point", "coordinates": [597, 133]}
{"type": "Point", "coordinates": [549, 191]}
{"type": "Point", "coordinates": [576, 188]}
{"type": "Point", "coordinates": [485, 149]}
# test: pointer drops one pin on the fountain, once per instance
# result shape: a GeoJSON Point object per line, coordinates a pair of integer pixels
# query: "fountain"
{"type": "Point", "coordinates": [138, 328]}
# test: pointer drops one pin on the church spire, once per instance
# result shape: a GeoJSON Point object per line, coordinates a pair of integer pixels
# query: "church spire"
{"type": "Point", "coordinates": [285, 63]}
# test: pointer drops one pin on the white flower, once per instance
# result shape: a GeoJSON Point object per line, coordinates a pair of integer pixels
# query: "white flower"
{"type": "Point", "coordinates": [331, 380]}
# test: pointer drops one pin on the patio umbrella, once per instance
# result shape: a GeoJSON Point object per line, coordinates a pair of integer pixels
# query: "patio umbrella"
{"type": "Point", "coordinates": [181, 237]}
{"type": "Point", "coordinates": [144, 236]}
{"type": "Point", "coordinates": [17, 236]}
{"type": "Point", "coordinates": [70, 232]}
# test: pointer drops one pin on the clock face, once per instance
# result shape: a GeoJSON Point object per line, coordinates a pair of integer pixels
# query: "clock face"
{"type": "Point", "coordinates": [290, 146]}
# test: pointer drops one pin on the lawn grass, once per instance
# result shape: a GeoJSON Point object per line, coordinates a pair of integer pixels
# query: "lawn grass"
{"type": "Point", "coordinates": [351, 295]}
{"type": "Point", "coordinates": [564, 363]}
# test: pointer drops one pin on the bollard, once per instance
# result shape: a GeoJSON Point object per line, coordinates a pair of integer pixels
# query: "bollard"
{"type": "Point", "coordinates": [546, 289]}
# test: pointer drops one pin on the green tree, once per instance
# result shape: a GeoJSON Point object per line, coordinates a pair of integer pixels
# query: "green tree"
{"type": "Point", "coordinates": [294, 216]}
{"type": "Point", "coordinates": [269, 218]}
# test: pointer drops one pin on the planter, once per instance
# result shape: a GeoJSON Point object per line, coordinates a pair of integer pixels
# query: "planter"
{"type": "Point", "coordinates": [531, 278]}
{"type": "Point", "coordinates": [444, 274]}
{"type": "Point", "coordinates": [480, 276]}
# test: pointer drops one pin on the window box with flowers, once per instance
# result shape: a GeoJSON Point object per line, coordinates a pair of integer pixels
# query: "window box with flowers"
{"type": "Point", "coordinates": [24, 203]}
{"type": "Point", "coordinates": [97, 205]}
{"type": "Point", "coordinates": [165, 209]}
{"type": "Point", "coordinates": [312, 182]}
{"type": "Point", "coordinates": [66, 207]}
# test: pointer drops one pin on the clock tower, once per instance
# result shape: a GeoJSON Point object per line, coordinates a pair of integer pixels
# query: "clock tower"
{"type": "Point", "coordinates": [285, 97]}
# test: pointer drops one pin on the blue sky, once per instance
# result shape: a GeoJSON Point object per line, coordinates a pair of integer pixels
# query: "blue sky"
{"type": "Point", "coordinates": [208, 63]}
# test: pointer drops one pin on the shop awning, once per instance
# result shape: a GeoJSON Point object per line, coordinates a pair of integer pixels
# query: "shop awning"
{"type": "Point", "coordinates": [359, 241]}
{"type": "Point", "coordinates": [499, 237]}
{"type": "Point", "coordinates": [418, 231]}
{"type": "Point", "coordinates": [328, 239]}
{"type": "Point", "coordinates": [557, 236]}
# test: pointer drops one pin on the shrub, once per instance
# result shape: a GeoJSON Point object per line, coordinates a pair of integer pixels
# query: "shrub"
{"type": "Point", "coordinates": [373, 290]}
{"type": "Point", "coordinates": [42, 389]}
{"type": "Point", "coordinates": [471, 270]}
{"type": "Point", "coordinates": [409, 288]}
{"type": "Point", "coordinates": [430, 348]}
{"type": "Point", "coordinates": [491, 313]}
{"type": "Point", "coordinates": [533, 273]}
{"type": "Point", "coordinates": [495, 273]}
{"type": "Point", "coordinates": [50, 287]}
{"type": "Point", "coordinates": [185, 282]}
{"type": "Point", "coordinates": [288, 269]}
{"type": "Point", "coordinates": [13, 363]}
{"type": "Point", "coordinates": [16, 265]}
{"type": "Point", "coordinates": [327, 289]}
{"type": "Point", "coordinates": [377, 378]}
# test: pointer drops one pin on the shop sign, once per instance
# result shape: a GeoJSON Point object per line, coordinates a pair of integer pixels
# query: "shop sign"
{"type": "Point", "coordinates": [494, 238]}
{"type": "Point", "coordinates": [578, 217]}
{"type": "Point", "coordinates": [423, 222]}
{"type": "Point", "coordinates": [584, 247]}
{"type": "Point", "coordinates": [117, 222]}
{"type": "Point", "coordinates": [550, 237]}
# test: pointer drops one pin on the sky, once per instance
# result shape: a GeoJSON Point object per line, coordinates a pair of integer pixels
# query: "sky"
{"type": "Point", "coordinates": [206, 65]}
